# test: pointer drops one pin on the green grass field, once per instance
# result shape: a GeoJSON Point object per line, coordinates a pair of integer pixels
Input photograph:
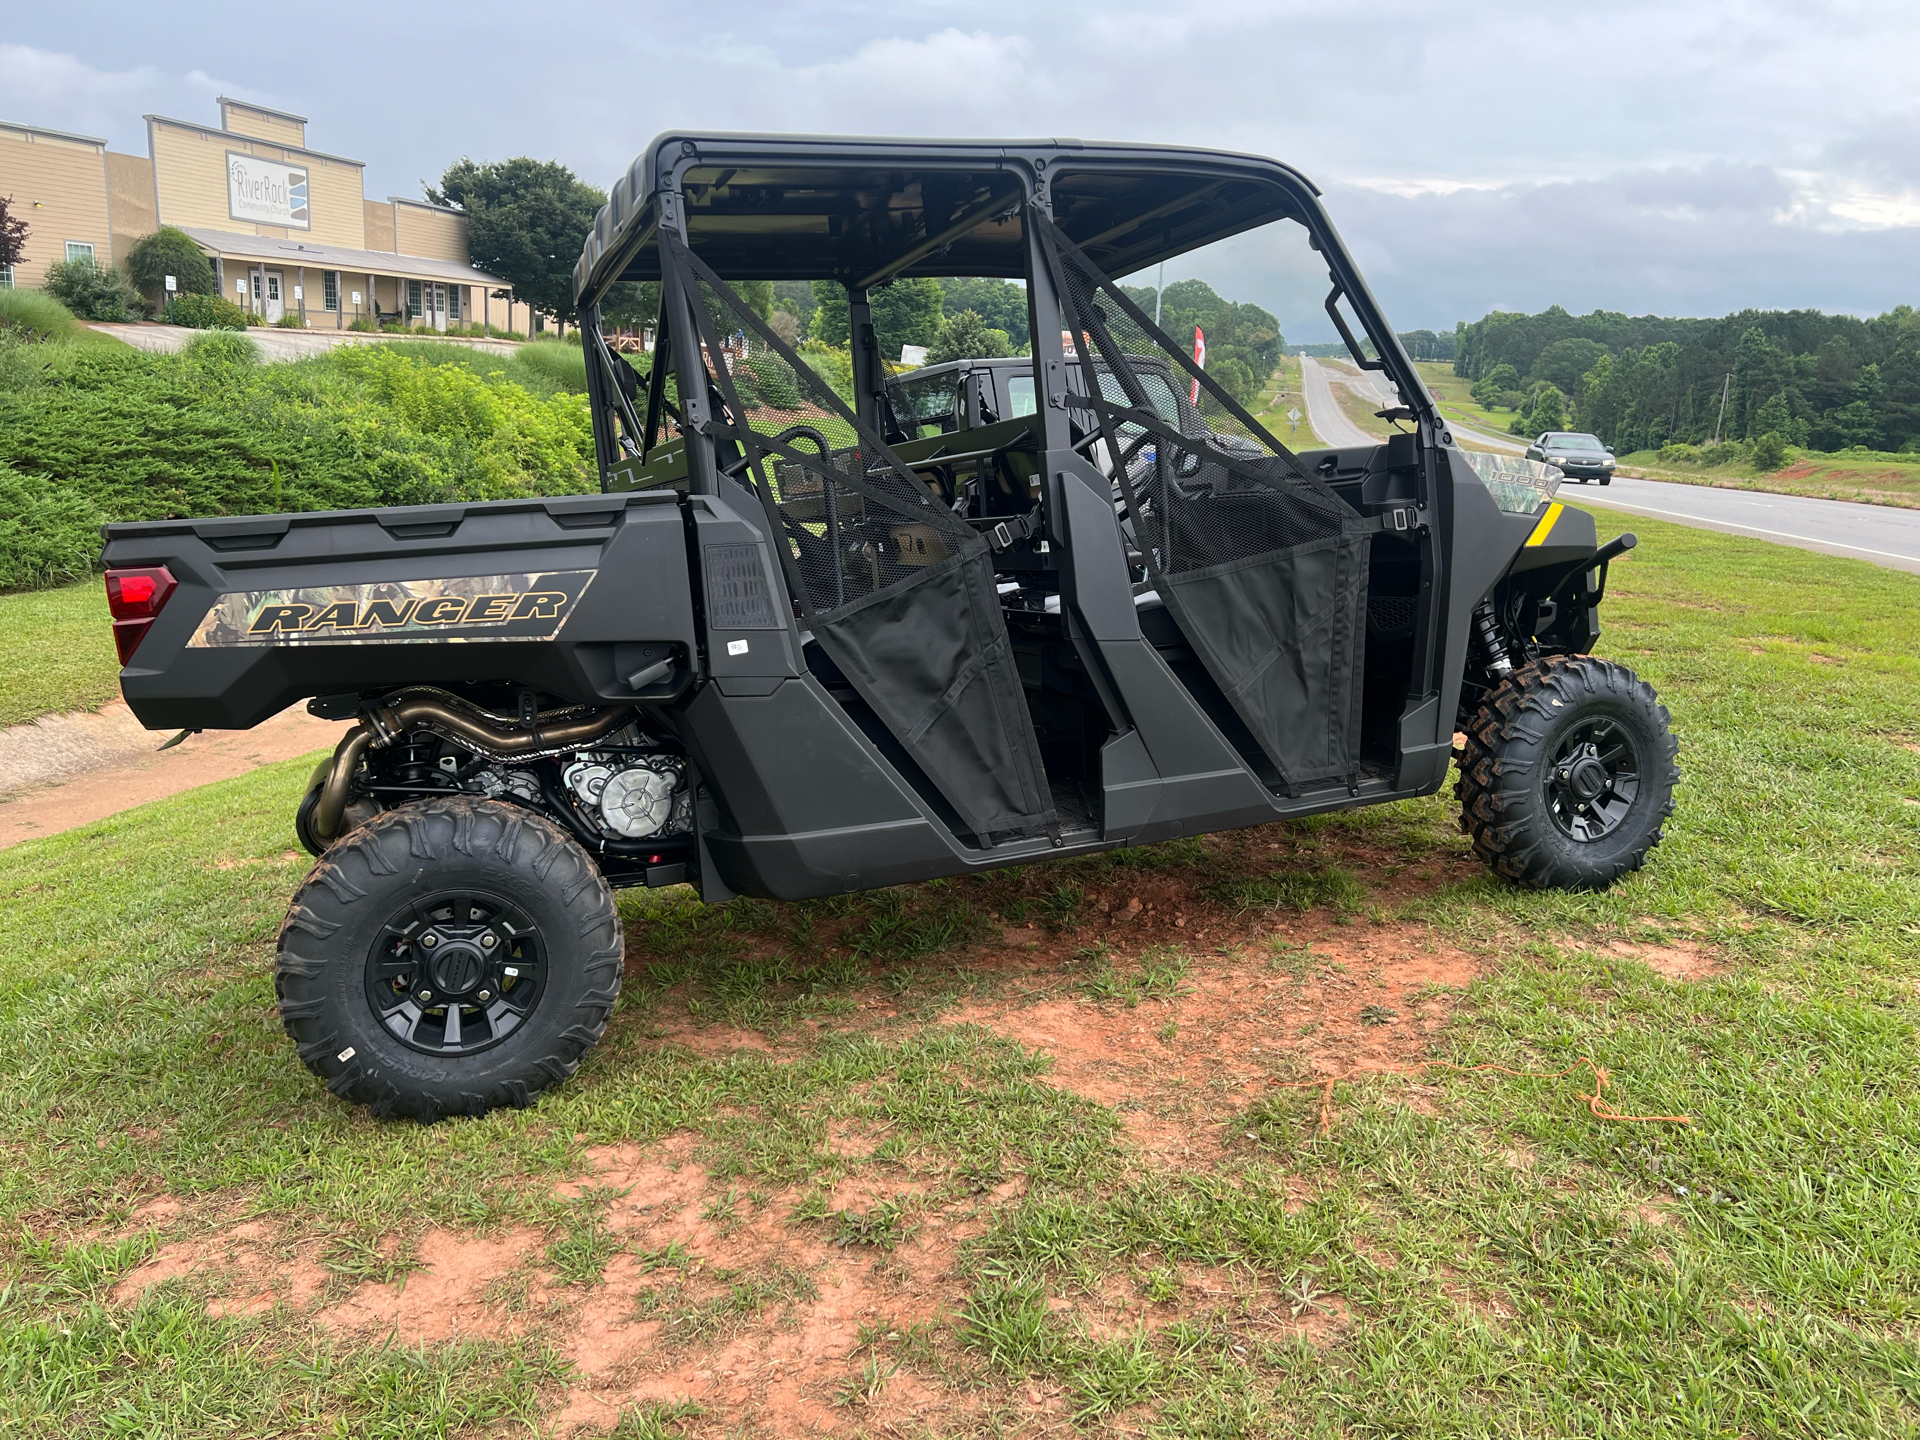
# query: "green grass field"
{"type": "Point", "coordinates": [56, 652]}
{"type": "Point", "coordinates": [880, 1153]}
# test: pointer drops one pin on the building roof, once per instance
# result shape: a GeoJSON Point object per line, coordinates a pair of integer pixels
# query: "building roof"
{"type": "Point", "coordinates": [258, 108]}
{"type": "Point", "coordinates": [234, 245]}
{"type": "Point", "coordinates": [55, 134]}
{"type": "Point", "coordinates": [254, 139]}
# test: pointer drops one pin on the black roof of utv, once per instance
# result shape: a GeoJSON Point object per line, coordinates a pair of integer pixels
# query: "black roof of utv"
{"type": "Point", "coordinates": [796, 207]}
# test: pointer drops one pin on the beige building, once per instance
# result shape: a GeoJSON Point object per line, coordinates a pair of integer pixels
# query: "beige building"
{"type": "Point", "coordinates": [289, 229]}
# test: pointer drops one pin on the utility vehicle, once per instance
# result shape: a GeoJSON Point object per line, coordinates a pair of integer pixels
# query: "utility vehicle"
{"type": "Point", "coordinates": [798, 647]}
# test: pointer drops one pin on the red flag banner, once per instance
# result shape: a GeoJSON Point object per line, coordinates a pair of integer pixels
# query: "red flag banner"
{"type": "Point", "coordinates": [1200, 359]}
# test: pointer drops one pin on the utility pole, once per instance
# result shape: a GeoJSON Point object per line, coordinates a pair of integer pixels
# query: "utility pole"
{"type": "Point", "coordinates": [1725, 390]}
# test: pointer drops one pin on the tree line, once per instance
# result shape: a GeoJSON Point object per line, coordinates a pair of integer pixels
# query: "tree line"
{"type": "Point", "coordinates": [1795, 377]}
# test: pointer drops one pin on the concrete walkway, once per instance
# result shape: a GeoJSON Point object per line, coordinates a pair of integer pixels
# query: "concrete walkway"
{"type": "Point", "coordinates": [63, 771]}
{"type": "Point", "coordinates": [287, 344]}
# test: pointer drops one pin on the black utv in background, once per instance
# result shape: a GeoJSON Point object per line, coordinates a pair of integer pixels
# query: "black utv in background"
{"type": "Point", "coordinates": [989, 614]}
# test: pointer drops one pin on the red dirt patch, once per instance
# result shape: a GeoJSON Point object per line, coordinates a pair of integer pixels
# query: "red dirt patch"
{"type": "Point", "coordinates": [1676, 960]}
{"type": "Point", "coordinates": [241, 1264]}
{"type": "Point", "coordinates": [444, 1299]}
{"type": "Point", "coordinates": [1371, 998]}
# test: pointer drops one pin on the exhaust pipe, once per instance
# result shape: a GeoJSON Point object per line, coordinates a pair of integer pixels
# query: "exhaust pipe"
{"type": "Point", "coordinates": [488, 735]}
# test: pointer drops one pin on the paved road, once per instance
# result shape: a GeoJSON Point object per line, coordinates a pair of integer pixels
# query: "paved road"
{"type": "Point", "coordinates": [284, 344]}
{"type": "Point", "coordinates": [1879, 533]}
{"type": "Point", "coordinates": [1323, 412]}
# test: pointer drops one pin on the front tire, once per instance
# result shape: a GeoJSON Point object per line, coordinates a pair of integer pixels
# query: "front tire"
{"type": "Point", "coordinates": [447, 958]}
{"type": "Point", "coordinates": [1568, 774]}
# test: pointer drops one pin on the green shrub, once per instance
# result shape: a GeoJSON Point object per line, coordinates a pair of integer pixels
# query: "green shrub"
{"type": "Point", "coordinates": [31, 317]}
{"type": "Point", "coordinates": [1679, 454]}
{"type": "Point", "coordinates": [90, 291]}
{"type": "Point", "coordinates": [169, 252]}
{"type": "Point", "coordinates": [208, 312]}
{"type": "Point", "coordinates": [364, 325]}
{"type": "Point", "coordinates": [290, 321]}
{"type": "Point", "coordinates": [834, 365]}
{"type": "Point", "coordinates": [48, 534]}
{"type": "Point", "coordinates": [125, 435]}
{"type": "Point", "coordinates": [551, 365]}
{"type": "Point", "coordinates": [1769, 452]}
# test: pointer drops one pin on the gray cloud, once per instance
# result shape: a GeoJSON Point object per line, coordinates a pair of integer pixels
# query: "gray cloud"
{"type": "Point", "coordinates": [1633, 154]}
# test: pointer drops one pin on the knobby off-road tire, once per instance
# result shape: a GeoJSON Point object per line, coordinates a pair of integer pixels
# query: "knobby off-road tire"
{"type": "Point", "coordinates": [491, 911]}
{"type": "Point", "coordinates": [1568, 774]}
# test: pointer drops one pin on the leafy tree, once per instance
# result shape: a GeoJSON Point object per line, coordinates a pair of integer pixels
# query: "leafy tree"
{"type": "Point", "coordinates": [1563, 362]}
{"type": "Point", "coordinates": [1000, 304]}
{"type": "Point", "coordinates": [1426, 345]}
{"type": "Point", "coordinates": [1496, 384]}
{"type": "Point", "coordinates": [526, 222]}
{"type": "Point", "coordinates": [907, 312]}
{"type": "Point", "coordinates": [1243, 341]}
{"type": "Point", "coordinates": [796, 298]}
{"type": "Point", "coordinates": [93, 292]}
{"type": "Point", "coordinates": [630, 304]}
{"type": "Point", "coordinates": [165, 252]}
{"type": "Point", "coordinates": [1793, 372]}
{"type": "Point", "coordinates": [1546, 409]}
{"type": "Point", "coordinates": [967, 337]}
{"type": "Point", "coordinates": [13, 234]}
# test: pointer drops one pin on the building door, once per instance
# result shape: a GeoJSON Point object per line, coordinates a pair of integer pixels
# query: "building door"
{"type": "Point", "coordinates": [276, 305]}
{"type": "Point", "coordinates": [436, 301]}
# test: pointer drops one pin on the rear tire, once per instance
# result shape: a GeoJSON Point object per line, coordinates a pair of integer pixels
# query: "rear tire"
{"type": "Point", "coordinates": [1568, 774]}
{"type": "Point", "coordinates": [447, 958]}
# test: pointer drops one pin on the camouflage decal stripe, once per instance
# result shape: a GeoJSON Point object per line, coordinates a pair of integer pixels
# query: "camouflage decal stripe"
{"type": "Point", "coordinates": [471, 607]}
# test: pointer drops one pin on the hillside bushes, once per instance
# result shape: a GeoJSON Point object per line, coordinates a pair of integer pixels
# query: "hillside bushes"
{"type": "Point", "coordinates": [91, 436]}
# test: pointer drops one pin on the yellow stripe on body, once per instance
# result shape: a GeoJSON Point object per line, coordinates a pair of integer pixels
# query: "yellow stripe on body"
{"type": "Point", "coordinates": [1545, 527]}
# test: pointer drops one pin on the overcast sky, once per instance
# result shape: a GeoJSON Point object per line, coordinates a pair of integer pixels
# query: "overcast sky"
{"type": "Point", "coordinates": [1669, 158]}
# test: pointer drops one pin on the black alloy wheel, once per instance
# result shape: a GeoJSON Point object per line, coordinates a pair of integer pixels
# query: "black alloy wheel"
{"type": "Point", "coordinates": [456, 973]}
{"type": "Point", "coordinates": [1592, 779]}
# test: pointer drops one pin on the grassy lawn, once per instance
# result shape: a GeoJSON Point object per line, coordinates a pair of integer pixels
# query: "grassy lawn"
{"type": "Point", "coordinates": [1016, 1154]}
{"type": "Point", "coordinates": [1281, 395]}
{"type": "Point", "coordinates": [1826, 477]}
{"type": "Point", "coordinates": [56, 652]}
{"type": "Point", "coordinates": [1455, 401]}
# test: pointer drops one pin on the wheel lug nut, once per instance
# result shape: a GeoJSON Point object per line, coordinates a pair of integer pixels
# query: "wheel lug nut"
{"type": "Point", "coordinates": [430, 941]}
{"type": "Point", "coordinates": [426, 995]}
{"type": "Point", "coordinates": [486, 995]}
{"type": "Point", "coordinates": [486, 942]}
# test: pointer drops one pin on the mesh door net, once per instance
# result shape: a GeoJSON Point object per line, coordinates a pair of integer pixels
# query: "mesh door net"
{"type": "Point", "coordinates": [1262, 566]}
{"type": "Point", "coordinates": [897, 589]}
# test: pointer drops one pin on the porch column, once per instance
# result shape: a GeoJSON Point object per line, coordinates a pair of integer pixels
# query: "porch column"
{"type": "Point", "coordinates": [301, 282]}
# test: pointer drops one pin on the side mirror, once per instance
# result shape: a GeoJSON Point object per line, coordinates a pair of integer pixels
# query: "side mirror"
{"type": "Point", "coordinates": [1609, 449]}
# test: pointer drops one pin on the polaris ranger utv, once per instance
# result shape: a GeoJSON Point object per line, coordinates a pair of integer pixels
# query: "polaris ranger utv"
{"type": "Point", "coordinates": [803, 643]}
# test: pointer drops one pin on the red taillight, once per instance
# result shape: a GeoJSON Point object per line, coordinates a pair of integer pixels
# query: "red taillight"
{"type": "Point", "coordinates": [135, 597]}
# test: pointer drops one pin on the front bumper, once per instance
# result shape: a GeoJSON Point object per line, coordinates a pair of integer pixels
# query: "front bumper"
{"type": "Point", "coordinates": [1582, 470]}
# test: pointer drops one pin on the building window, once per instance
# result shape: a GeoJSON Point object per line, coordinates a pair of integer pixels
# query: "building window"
{"type": "Point", "coordinates": [453, 303]}
{"type": "Point", "coordinates": [79, 250]}
{"type": "Point", "coordinates": [330, 290]}
{"type": "Point", "coordinates": [6, 277]}
{"type": "Point", "coordinates": [414, 308]}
